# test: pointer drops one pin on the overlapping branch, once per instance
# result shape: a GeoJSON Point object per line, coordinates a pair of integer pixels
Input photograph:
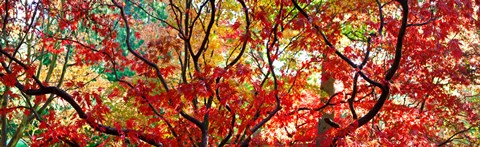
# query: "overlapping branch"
{"type": "Point", "coordinates": [384, 85]}
{"type": "Point", "coordinates": [43, 90]}
{"type": "Point", "coordinates": [275, 88]}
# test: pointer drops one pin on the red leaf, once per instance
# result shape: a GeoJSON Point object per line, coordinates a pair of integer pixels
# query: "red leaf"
{"type": "Point", "coordinates": [9, 79]}
{"type": "Point", "coordinates": [455, 47]}
{"type": "Point", "coordinates": [7, 110]}
{"type": "Point", "coordinates": [137, 35]}
{"type": "Point", "coordinates": [236, 25]}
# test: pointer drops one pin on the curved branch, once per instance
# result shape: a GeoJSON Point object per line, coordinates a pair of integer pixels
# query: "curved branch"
{"type": "Point", "coordinates": [370, 80]}
{"type": "Point", "coordinates": [423, 23]}
{"type": "Point", "coordinates": [169, 125]}
{"type": "Point", "coordinates": [319, 108]}
{"type": "Point", "coordinates": [149, 138]}
{"type": "Point", "coordinates": [365, 59]}
{"type": "Point", "coordinates": [192, 119]}
{"type": "Point", "coordinates": [384, 86]}
{"type": "Point", "coordinates": [275, 88]}
{"type": "Point", "coordinates": [325, 39]}
{"type": "Point", "coordinates": [130, 49]}
{"type": "Point", "coordinates": [111, 59]}
{"type": "Point", "coordinates": [451, 137]}
{"type": "Point", "coordinates": [207, 33]}
{"type": "Point", "coordinates": [151, 15]}
{"type": "Point", "coordinates": [331, 123]}
{"type": "Point", "coordinates": [382, 21]}
{"type": "Point", "coordinates": [398, 47]}
{"type": "Point", "coordinates": [352, 98]}
{"type": "Point", "coordinates": [247, 35]}
{"type": "Point", "coordinates": [29, 26]}
{"type": "Point", "coordinates": [230, 132]}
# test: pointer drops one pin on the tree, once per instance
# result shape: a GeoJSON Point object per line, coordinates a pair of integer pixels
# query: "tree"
{"type": "Point", "coordinates": [239, 72]}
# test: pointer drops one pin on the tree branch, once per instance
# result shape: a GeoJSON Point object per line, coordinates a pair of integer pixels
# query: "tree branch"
{"type": "Point", "coordinates": [398, 46]}
{"type": "Point", "coordinates": [149, 138]}
{"type": "Point", "coordinates": [352, 98]}
{"type": "Point", "coordinates": [382, 21]}
{"type": "Point", "coordinates": [325, 39]}
{"type": "Point", "coordinates": [384, 85]}
{"type": "Point", "coordinates": [130, 49]}
{"type": "Point", "coordinates": [246, 37]}
{"type": "Point", "coordinates": [207, 33]}
{"type": "Point", "coordinates": [275, 88]}
{"type": "Point", "coordinates": [450, 139]}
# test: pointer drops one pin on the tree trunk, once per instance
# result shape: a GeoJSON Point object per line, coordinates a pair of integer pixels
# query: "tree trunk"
{"type": "Point", "coordinates": [327, 87]}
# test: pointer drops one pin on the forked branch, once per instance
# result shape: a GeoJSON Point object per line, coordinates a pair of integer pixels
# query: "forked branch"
{"type": "Point", "coordinates": [384, 85]}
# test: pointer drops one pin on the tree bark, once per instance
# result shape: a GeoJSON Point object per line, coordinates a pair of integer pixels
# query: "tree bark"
{"type": "Point", "coordinates": [327, 87]}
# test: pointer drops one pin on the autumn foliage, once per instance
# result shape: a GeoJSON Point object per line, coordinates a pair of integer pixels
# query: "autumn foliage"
{"type": "Point", "coordinates": [239, 72]}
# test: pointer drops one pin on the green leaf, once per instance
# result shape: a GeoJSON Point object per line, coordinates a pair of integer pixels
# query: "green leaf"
{"type": "Point", "coordinates": [46, 59]}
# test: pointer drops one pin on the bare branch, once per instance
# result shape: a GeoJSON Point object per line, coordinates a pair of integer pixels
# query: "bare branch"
{"type": "Point", "coordinates": [331, 123]}
{"type": "Point", "coordinates": [423, 23]}
{"type": "Point", "coordinates": [352, 98]}
{"type": "Point", "coordinates": [382, 21]}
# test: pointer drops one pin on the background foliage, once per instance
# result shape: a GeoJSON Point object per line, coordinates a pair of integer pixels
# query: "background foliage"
{"type": "Point", "coordinates": [239, 72]}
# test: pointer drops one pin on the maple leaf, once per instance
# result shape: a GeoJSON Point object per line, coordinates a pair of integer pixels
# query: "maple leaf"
{"type": "Point", "coordinates": [236, 25]}
{"type": "Point", "coordinates": [455, 47]}
{"type": "Point", "coordinates": [9, 79]}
